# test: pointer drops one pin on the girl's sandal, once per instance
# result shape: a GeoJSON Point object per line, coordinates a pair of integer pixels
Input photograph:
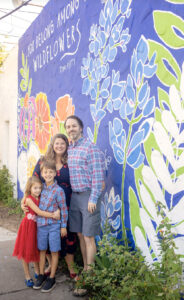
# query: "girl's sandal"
{"type": "Point", "coordinates": [29, 282]}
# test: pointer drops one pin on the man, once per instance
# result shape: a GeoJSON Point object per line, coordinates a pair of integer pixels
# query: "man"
{"type": "Point", "coordinates": [86, 177]}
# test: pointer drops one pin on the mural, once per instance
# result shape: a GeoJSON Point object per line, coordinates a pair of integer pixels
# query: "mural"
{"type": "Point", "coordinates": [118, 65]}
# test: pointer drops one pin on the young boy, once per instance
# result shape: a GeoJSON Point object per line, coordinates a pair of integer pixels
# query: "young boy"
{"type": "Point", "coordinates": [49, 230]}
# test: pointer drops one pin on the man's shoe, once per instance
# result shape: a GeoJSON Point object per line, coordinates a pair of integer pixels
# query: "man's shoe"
{"type": "Point", "coordinates": [39, 282]}
{"type": "Point", "coordinates": [49, 285]}
{"type": "Point", "coordinates": [80, 292]}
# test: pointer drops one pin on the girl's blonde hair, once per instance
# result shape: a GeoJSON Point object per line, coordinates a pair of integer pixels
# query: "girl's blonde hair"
{"type": "Point", "coordinates": [51, 155]}
{"type": "Point", "coordinates": [32, 180]}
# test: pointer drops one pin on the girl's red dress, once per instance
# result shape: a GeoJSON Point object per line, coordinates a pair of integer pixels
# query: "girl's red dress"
{"type": "Point", "coordinates": [26, 241]}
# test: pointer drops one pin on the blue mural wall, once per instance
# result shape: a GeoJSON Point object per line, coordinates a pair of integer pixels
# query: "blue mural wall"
{"type": "Point", "coordinates": [118, 65]}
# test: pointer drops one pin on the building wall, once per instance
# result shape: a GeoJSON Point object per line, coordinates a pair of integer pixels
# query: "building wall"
{"type": "Point", "coordinates": [118, 65]}
{"type": "Point", "coordinates": [8, 113]}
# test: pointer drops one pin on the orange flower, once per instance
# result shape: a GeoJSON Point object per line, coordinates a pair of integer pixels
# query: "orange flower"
{"type": "Point", "coordinates": [26, 100]}
{"type": "Point", "coordinates": [43, 132]}
{"type": "Point", "coordinates": [64, 108]}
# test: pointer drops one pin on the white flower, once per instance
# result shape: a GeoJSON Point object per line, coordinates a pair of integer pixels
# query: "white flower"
{"type": "Point", "coordinates": [26, 163]}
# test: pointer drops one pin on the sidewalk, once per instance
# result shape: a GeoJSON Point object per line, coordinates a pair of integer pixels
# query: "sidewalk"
{"type": "Point", "coordinates": [12, 285]}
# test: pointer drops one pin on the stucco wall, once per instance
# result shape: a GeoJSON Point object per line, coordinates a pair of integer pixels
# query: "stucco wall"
{"type": "Point", "coordinates": [8, 113]}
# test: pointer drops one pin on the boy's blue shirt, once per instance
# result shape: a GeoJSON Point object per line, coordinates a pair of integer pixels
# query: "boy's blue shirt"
{"type": "Point", "coordinates": [52, 198]}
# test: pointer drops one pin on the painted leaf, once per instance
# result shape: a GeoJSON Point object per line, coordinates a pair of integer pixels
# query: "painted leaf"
{"type": "Point", "coordinates": [148, 203]}
{"type": "Point", "coordinates": [150, 231]}
{"type": "Point", "coordinates": [135, 213]}
{"type": "Point", "coordinates": [23, 85]}
{"type": "Point", "coordinates": [164, 142]}
{"type": "Point", "coordinates": [90, 135]}
{"type": "Point", "coordinates": [175, 103]}
{"type": "Point", "coordinates": [170, 124]}
{"type": "Point", "coordinates": [23, 59]}
{"type": "Point", "coordinates": [162, 72]}
{"type": "Point", "coordinates": [176, 214]}
{"type": "Point", "coordinates": [165, 24]}
{"type": "Point", "coordinates": [29, 87]}
{"type": "Point", "coordinates": [141, 243]}
{"type": "Point", "coordinates": [162, 97]}
{"type": "Point", "coordinates": [118, 153]}
{"type": "Point", "coordinates": [150, 179]}
{"type": "Point", "coordinates": [176, 1]}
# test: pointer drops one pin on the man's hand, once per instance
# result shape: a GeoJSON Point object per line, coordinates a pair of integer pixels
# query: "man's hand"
{"type": "Point", "coordinates": [63, 232]}
{"type": "Point", "coordinates": [91, 207]}
{"type": "Point", "coordinates": [57, 214]}
{"type": "Point", "coordinates": [24, 206]}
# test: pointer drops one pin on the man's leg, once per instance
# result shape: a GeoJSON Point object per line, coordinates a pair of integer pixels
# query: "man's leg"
{"type": "Point", "coordinates": [54, 265]}
{"type": "Point", "coordinates": [90, 250]}
{"type": "Point", "coordinates": [83, 249]}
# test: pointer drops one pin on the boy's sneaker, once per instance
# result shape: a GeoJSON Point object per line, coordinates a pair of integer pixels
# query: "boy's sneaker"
{"type": "Point", "coordinates": [39, 282]}
{"type": "Point", "coordinates": [49, 285]}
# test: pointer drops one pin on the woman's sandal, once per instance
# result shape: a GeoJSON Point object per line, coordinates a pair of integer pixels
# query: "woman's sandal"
{"type": "Point", "coordinates": [79, 292]}
{"type": "Point", "coordinates": [29, 282]}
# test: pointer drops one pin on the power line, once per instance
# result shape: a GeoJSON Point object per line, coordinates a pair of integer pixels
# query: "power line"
{"type": "Point", "coordinates": [11, 12]}
{"type": "Point", "coordinates": [22, 11]}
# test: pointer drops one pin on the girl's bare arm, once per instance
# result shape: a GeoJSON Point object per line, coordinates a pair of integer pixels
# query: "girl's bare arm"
{"type": "Point", "coordinates": [39, 212]}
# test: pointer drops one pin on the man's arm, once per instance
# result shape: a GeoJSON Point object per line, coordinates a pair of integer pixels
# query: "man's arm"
{"type": "Point", "coordinates": [95, 165]}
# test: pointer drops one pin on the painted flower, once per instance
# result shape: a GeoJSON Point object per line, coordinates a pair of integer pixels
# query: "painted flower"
{"type": "Point", "coordinates": [26, 163]}
{"type": "Point", "coordinates": [64, 108]}
{"type": "Point", "coordinates": [43, 132]}
{"type": "Point", "coordinates": [111, 210]}
{"type": "Point", "coordinates": [27, 120]}
{"type": "Point", "coordinates": [118, 140]}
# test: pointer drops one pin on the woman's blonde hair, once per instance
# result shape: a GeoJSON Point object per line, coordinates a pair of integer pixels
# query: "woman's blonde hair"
{"type": "Point", "coordinates": [31, 180]}
{"type": "Point", "coordinates": [51, 155]}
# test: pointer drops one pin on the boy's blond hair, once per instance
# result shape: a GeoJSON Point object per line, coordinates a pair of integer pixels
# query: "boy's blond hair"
{"type": "Point", "coordinates": [48, 164]}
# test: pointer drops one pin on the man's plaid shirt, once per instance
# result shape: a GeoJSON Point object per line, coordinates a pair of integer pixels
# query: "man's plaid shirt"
{"type": "Point", "coordinates": [86, 168]}
{"type": "Point", "coordinates": [52, 198]}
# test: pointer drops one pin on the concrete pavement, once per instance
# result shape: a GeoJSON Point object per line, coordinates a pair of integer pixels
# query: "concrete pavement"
{"type": "Point", "coordinates": [12, 286]}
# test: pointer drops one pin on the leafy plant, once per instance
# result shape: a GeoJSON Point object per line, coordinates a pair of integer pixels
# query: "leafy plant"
{"type": "Point", "coordinates": [120, 272]}
{"type": "Point", "coordinates": [6, 191]}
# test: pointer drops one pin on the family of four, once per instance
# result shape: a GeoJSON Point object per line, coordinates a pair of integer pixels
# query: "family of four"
{"type": "Point", "coordinates": [67, 203]}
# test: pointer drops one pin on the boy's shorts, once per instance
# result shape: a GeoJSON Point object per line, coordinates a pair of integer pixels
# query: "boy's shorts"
{"type": "Point", "coordinates": [49, 235]}
{"type": "Point", "coordinates": [80, 219]}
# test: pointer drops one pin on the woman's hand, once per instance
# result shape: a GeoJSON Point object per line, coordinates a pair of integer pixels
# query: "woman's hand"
{"type": "Point", "coordinates": [57, 214]}
{"type": "Point", "coordinates": [24, 206]}
{"type": "Point", "coordinates": [63, 232]}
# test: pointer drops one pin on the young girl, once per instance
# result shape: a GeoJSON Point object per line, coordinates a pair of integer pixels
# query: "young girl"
{"type": "Point", "coordinates": [26, 241]}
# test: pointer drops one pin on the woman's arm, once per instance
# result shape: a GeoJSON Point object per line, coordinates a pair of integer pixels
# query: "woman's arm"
{"type": "Point", "coordinates": [42, 213]}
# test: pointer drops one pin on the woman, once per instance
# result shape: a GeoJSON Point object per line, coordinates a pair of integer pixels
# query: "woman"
{"type": "Point", "coordinates": [57, 150]}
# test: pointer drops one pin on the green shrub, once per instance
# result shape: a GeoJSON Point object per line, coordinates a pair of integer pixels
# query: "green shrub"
{"type": "Point", "coordinates": [6, 185]}
{"type": "Point", "coordinates": [6, 191]}
{"type": "Point", "coordinates": [121, 273]}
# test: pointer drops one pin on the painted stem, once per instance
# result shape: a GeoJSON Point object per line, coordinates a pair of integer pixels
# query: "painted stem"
{"type": "Point", "coordinates": [124, 166]}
